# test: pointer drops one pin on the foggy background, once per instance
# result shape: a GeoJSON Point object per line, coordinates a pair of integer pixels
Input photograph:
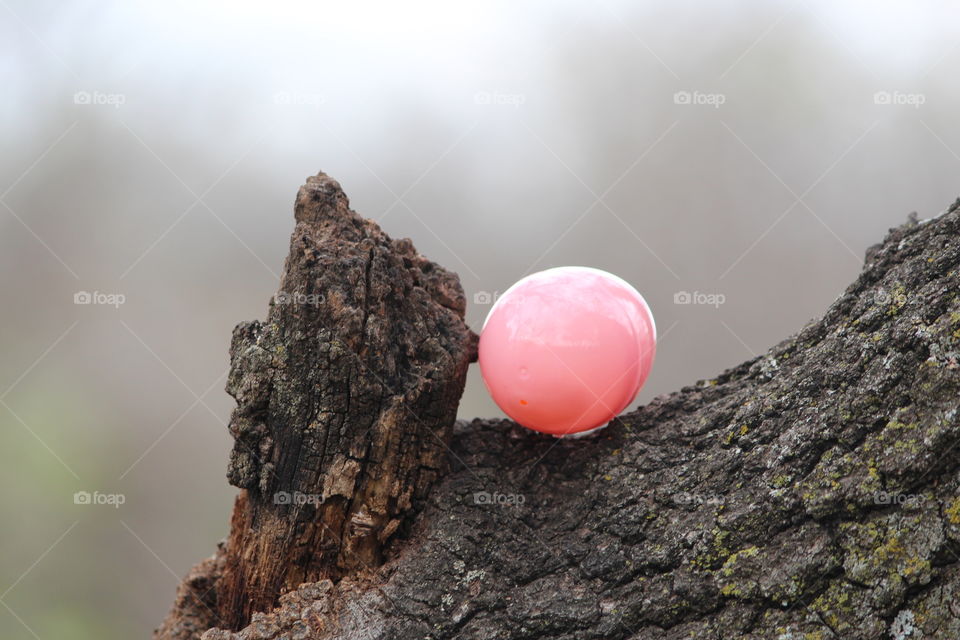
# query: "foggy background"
{"type": "Point", "coordinates": [746, 151]}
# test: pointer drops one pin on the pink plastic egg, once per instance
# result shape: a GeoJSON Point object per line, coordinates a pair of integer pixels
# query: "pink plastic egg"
{"type": "Point", "coordinates": [567, 349]}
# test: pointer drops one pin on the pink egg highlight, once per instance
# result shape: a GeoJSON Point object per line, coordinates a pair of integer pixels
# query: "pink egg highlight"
{"type": "Point", "coordinates": [567, 349]}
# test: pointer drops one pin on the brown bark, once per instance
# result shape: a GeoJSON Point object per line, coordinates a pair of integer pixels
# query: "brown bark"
{"type": "Point", "coordinates": [346, 396]}
{"type": "Point", "coordinates": [813, 492]}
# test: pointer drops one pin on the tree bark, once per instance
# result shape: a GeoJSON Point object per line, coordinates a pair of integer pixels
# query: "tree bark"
{"type": "Point", "coordinates": [812, 492]}
{"type": "Point", "coordinates": [346, 396]}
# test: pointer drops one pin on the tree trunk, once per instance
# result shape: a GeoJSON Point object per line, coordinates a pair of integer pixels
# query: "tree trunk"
{"type": "Point", "coordinates": [813, 492]}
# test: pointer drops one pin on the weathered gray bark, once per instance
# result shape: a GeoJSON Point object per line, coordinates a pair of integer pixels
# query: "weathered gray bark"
{"type": "Point", "coordinates": [813, 492]}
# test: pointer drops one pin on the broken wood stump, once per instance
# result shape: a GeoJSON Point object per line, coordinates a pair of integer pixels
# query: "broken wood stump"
{"type": "Point", "coordinates": [346, 397]}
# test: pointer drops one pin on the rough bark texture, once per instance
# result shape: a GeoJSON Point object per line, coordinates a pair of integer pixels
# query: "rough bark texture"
{"type": "Point", "coordinates": [346, 397]}
{"type": "Point", "coordinates": [813, 492]}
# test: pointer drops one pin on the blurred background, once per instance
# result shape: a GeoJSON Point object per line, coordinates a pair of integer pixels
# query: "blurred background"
{"type": "Point", "coordinates": [732, 160]}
